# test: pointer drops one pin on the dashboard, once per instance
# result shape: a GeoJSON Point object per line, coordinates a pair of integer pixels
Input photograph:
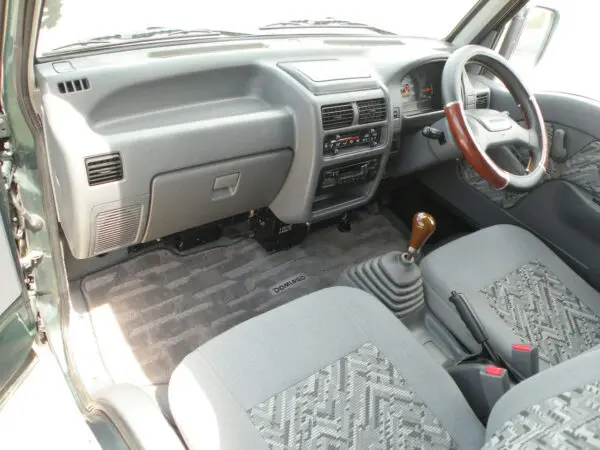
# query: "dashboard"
{"type": "Point", "coordinates": [148, 142]}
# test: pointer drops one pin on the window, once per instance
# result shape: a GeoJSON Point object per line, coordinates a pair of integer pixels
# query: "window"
{"type": "Point", "coordinates": [535, 36]}
{"type": "Point", "coordinates": [69, 22]}
{"type": "Point", "coordinates": [551, 45]}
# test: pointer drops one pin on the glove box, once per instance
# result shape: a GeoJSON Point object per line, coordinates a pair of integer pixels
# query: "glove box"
{"type": "Point", "coordinates": [195, 196]}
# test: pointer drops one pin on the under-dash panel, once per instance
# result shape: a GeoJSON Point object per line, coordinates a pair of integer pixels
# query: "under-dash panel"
{"type": "Point", "coordinates": [138, 132]}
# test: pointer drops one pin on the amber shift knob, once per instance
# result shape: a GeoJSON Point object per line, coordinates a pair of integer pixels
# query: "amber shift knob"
{"type": "Point", "coordinates": [423, 226]}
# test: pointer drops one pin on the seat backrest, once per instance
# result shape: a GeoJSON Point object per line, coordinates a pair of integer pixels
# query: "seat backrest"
{"type": "Point", "coordinates": [557, 408]}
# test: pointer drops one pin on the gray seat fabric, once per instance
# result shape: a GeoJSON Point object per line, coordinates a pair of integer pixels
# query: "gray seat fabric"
{"type": "Point", "coordinates": [331, 369]}
{"type": "Point", "coordinates": [557, 408]}
{"type": "Point", "coordinates": [336, 369]}
{"type": "Point", "coordinates": [521, 291]}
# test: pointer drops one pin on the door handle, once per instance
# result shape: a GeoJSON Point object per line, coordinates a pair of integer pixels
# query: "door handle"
{"type": "Point", "coordinates": [558, 150]}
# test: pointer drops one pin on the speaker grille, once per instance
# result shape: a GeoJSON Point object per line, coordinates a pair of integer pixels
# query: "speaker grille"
{"type": "Point", "coordinates": [117, 228]}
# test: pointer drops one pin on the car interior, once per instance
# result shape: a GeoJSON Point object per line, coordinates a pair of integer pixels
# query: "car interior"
{"type": "Point", "coordinates": [366, 243]}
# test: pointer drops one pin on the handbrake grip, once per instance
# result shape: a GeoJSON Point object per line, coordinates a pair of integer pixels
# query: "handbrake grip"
{"type": "Point", "coordinates": [469, 317]}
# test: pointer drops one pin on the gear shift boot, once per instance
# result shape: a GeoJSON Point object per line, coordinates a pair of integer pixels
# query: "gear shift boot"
{"type": "Point", "coordinates": [393, 278]}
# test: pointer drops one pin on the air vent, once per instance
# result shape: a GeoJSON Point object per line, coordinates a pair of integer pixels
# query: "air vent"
{"type": "Point", "coordinates": [370, 111]}
{"type": "Point", "coordinates": [337, 116]}
{"type": "Point", "coordinates": [104, 169]}
{"type": "Point", "coordinates": [117, 228]}
{"type": "Point", "coordinates": [482, 101]}
{"type": "Point", "coordinates": [67, 87]}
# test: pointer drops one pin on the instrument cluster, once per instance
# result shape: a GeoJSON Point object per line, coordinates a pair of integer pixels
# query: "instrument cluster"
{"type": "Point", "coordinates": [420, 89]}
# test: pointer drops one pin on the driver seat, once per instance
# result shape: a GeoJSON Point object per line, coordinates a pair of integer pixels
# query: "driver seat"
{"type": "Point", "coordinates": [520, 291]}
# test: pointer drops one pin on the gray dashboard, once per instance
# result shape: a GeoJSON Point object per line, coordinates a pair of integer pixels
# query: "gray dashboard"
{"type": "Point", "coordinates": [148, 142]}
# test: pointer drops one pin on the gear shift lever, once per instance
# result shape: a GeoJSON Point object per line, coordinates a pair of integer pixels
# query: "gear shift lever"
{"type": "Point", "coordinates": [395, 278]}
{"type": "Point", "coordinates": [423, 226]}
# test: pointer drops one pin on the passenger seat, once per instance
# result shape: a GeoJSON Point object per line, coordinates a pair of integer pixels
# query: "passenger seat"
{"type": "Point", "coordinates": [337, 369]}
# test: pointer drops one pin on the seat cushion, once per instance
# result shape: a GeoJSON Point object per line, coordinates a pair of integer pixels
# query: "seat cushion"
{"type": "Point", "coordinates": [521, 291]}
{"type": "Point", "coordinates": [557, 408]}
{"type": "Point", "coordinates": [334, 368]}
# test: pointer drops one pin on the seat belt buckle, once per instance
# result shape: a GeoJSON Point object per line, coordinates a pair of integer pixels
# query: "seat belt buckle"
{"type": "Point", "coordinates": [495, 382]}
{"type": "Point", "coordinates": [482, 384]}
{"type": "Point", "coordinates": [525, 358]}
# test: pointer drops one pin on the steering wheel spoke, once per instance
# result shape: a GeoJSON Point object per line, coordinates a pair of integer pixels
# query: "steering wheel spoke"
{"type": "Point", "coordinates": [493, 128]}
{"type": "Point", "coordinates": [526, 137]}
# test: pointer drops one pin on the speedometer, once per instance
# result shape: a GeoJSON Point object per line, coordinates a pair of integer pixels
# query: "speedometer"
{"type": "Point", "coordinates": [409, 89]}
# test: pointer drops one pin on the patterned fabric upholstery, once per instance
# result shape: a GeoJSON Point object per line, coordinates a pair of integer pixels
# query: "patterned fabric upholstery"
{"type": "Point", "coordinates": [360, 401]}
{"type": "Point", "coordinates": [570, 420]}
{"type": "Point", "coordinates": [581, 169]}
{"type": "Point", "coordinates": [541, 310]}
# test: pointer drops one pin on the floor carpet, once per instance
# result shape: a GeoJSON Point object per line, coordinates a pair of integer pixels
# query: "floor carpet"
{"type": "Point", "coordinates": [149, 312]}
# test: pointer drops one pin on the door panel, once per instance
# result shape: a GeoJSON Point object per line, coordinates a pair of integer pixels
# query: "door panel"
{"type": "Point", "coordinates": [568, 116]}
{"type": "Point", "coordinates": [17, 322]}
{"type": "Point", "coordinates": [564, 210]}
{"type": "Point", "coordinates": [11, 282]}
{"type": "Point", "coordinates": [568, 216]}
{"type": "Point", "coordinates": [581, 168]}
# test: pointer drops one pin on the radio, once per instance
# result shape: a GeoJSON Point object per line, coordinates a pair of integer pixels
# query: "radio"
{"type": "Point", "coordinates": [334, 143]}
{"type": "Point", "coordinates": [348, 174]}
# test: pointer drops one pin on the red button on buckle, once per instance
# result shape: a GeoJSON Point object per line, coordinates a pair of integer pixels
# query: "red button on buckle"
{"type": "Point", "coordinates": [494, 370]}
{"type": "Point", "coordinates": [522, 347]}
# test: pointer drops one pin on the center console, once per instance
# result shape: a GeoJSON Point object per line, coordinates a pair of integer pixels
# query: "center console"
{"type": "Point", "coordinates": [354, 138]}
{"type": "Point", "coordinates": [352, 135]}
{"type": "Point", "coordinates": [348, 174]}
{"type": "Point", "coordinates": [333, 144]}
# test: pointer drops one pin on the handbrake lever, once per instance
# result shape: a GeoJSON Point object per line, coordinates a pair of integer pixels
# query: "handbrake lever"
{"type": "Point", "coordinates": [472, 322]}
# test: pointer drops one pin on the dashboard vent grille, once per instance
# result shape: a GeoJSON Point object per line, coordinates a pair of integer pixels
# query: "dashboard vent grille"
{"type": "Point", "coordinates": [370, 111]}
{"type": "Point", "coordinates": [117, 228]}
{"type": "Point", "coordinates": [337, 116]}
{"type": "Point", "coordinates": [67, 87]}
{"type": "Point", "coordinates": [104, 169]}
{"type": "Point", "coordinates": [482, 101]}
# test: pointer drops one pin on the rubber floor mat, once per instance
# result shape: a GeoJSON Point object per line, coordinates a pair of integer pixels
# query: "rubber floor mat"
{"type": "Point", "coordinates": [149, 312]}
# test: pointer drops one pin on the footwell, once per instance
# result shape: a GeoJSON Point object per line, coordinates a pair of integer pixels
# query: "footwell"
{"type": "Point", "coordinates": [165, 305]}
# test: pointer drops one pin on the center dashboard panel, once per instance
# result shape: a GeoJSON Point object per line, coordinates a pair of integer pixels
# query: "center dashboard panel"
{"type": "Point", "coordinates": [355, 141]}
{"type": "Point", "coordinates": [207, 134]}
{"type": "Point", "coordinates": [352, 136]}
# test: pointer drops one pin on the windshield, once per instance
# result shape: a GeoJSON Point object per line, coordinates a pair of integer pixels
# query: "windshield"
{"type": "Point", "coordinates": [68, 22]}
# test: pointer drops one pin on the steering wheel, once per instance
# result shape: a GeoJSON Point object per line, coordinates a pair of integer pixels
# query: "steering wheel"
{"type": "Point", "coordinates": [475, 131]}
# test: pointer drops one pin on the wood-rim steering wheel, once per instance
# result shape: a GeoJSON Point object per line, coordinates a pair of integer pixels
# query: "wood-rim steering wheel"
{"type": "Point", "coordinates": [477, 130]}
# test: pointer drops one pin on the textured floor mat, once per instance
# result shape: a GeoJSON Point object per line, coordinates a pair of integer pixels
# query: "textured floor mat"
{"type": "Point", "coordinates": [150, 312]}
